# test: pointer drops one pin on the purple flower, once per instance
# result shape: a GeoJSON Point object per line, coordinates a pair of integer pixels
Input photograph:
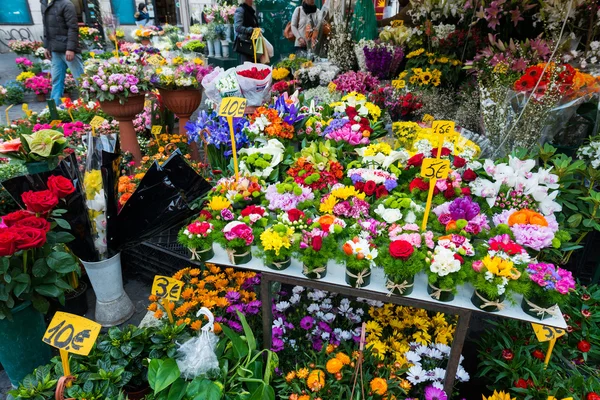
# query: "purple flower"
{"type": "Point", "coordinates": [307, 323]}
{"type": "Point", "coordinates": [433, 393]}
{"type": "Point", "coordinates": [251, 282]}
{"type": "Point", "coordinates": [236, 326]}
{"type": "Point", "coordinates": [277, 344]}
{"type": "Point", "coordinates": [226, 214]}
{"type": "Point", "coordinates": [463, 208]}
{"type": "Point", "coordinates": [253, 307]}
{"type": "Point", "coordinates": [390, 184]}
{"type": "Point", "coordinates": [277, 331]}
{"type": "Point", "coordinates": [317, 344]}
{"type": "Point", "coordinates": [233, 296]}
{"type": "Point", "coordinates": [324, 327]}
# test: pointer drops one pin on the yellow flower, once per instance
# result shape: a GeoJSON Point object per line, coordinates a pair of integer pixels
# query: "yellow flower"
{"type": "Point", "coordinates": [327, 205]}
{"type": "Point", "coordinates": [498, 396]}
{"type": "Point", "coordinates": [379, 386]}
{"type": "Point", "coordinates": [443, 60]}
{"type": "Point", "coordinates": [23, 76]}
{"type": "Point", "coordinates": [378, 348]}
{"type": "Point", "coordinates": [198, 61]}
{"type": "Point", "coordinates": [404, 384]}
{"type": "Point", "coordinates": [302, 373]}
{"type": "Point", "coordinates": [272, 240]}
{"type": "Point", "coordinates": [290, 376]}
{"type": "Point", "coordinates": [374, 149]}
{"type": "Point", "coordinates": [92, 181]}
{"type": "Point", "coordinates": [280, 73]}
{"type": "Point", "coordinates": [501, 267]}
{"type": "Point", "coordinates": [334, 366]}
{"type": "Point", "coordinates": [428, 118]}
{"type": "Point", "coordinates": [374, 111]}
{"type": "Point", "coordinates": [415, 53]}
{"type": "Point", "coordinates": [436, 82]}
{"type": "Point", "coordinates": [316, 380]}
{"type": "Point", "coordinates": [347, 191]}
{"type": "Point", "coordinates": [374, 328]}
{"type": "Point", "coordinates": [403, 74]}
{"type": "Point", "coordinates": [425, 77]}
{"type": "Point", "coordinates": [218, 203]}
{"type": "Point", "coordinates": [92, 54]}
{"type": "Point", "coordinates": [292, 57]}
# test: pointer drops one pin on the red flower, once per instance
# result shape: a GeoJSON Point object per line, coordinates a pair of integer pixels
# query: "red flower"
{"type": "Point", "coordinates": [360, 186]}
{"type": "Point", "coordinates": [507, 354]}
{"type": "Point", "coordinates": [592, 396]}
{"type": "Point", "coordinates": [369, 188]}
{"type": "Point", "coordinates": [466, 191]}
{"type": "Point", "coordinates": [13, 217]}
{"type": "Point", "coordinates": [534, 72]}
{"type": "Point", "coordinates": [381, 191]}
{"type": "Point", "coordinates": [469, 175]}
{"type": "Point", "coordinates": [521, 383]}
{"type": "Point", "coordinates": [449, 193]}
{"type": "Point", "coordinates": [34, 222]}
{"type": "Point", "coordinates": [252, 209]}
{"type": "Point", "coordinates": [39, 202]}
{"type": "Point", "coordinates": [459, 162]}
{"type": "Point", "coordinates": [29, 238]}
{"type": "Point", "coordinates": [416, 160]}
{"type": "Point", "coordinates": [317, 242]}
{"type": "Point", "coordinates": [524, 84]}
{"type": "Point", "coordinates": [255, 73]}
{"type": "Point", "coordinates": [584, 346]}
{"type": "Point", "coordinates": [445, 152]}
{"type": "Point", "coordinates": [586, 313]}
{"type": "Point", "coordinates": [295, 215]}
{"type": "Point", "coordinates": [205, 215]}
{"type": "Point", "coordinates": [401, 249]}
{"type": "Point", "coordinates": [418, 183]}
{"type": "Point", "coordinates": [585, 297]}
{"type": "Point", "coordinates": [459, 258]}
{"type": "Point", "coordinates": [60, 186]}
{"type": "Point", "coordinates": [538, 354]}
{"type": "Point", "coordinates": [8, 244]}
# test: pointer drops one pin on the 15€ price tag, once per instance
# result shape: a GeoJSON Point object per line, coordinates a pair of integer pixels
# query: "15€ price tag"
{"type": "Point", "coordinates": [55, 122]}
{"type": "Point", "coordinates": [547, 333]}
{"type": "Point", "coordinates": [96, 121]}
{"type": "Point", "coordinates": [435, 168]}
{"type": "Point", "coordinates": [442, 127]}
{"type": "Point", "coordinates": [232, 107]}
{"type": "Point", "coordinates": [166, 288]}
{"type": "Point", "coordinates": [72, 333]}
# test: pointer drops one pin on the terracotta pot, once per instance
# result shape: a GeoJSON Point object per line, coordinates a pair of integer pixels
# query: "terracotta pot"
{"type": "Point", "coordinates": [40, 97]}
{"type": "Point", "coordinates": [183, 103]}
{"type": "Point", "coordinates": [124, 113]}
{"type": "Point", "coordinates": [145, 42]}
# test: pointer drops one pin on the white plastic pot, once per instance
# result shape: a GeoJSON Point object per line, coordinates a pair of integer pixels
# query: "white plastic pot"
{"type": "Point", "coordinates": [225, 48]}
{"type": "Point", "coordinates": [211, 48]}
{"type": "Point", "coordinates": [217, 44]}
{"type": "Point", "coordinates": [113, 306]}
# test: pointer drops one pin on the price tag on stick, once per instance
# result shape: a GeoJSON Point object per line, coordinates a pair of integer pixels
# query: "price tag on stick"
{"type": "Point", "coordinates": [8, 119]}
{"type": "Point", "coordinates": [96, 121]}
{"type": "Point", "coordinates": [26, 110]}
{"type": "Point", "coordinates": [55, 122]}
{"type": "Point", "coordinates": [156, 130]}
{"type": "Point", "coordinates": [167, 289]}
{"type": "Point", "coordinates": [71, 334]}
{"type": "Point", "coordinates": [434, 168]}
{"type": "Point", "coordinates": [233, 107]}
{"type": "Point", "coordinates": [547, 334]}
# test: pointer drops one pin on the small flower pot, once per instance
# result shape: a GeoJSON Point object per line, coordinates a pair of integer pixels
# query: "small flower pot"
{"type": "Point", "coordinates": [145, 42]}
{"type": "Point", "coordinates": [40, 97]}
{"type": "Point", "coordinates": [280, 265]}
{"type": "Point", "coordinates": [240, 255]}
{"type": "Point", "coordinates": [358, 279]}
{"type": "Point", "coordinates": [314, 272]}
{"type": "Point", "coordinates": [76, 300]}
{"type": "Point", "coordinates": [124, 113]}
{"type": "Point", "coordinates": [137, 393]}
{"type": "Point", "coordinates": [440, 294]}
{"type": "Point", "coordinates": [538, 308]}
{"type": "Point", "coordinates": [484, 304]}
{"type": "Point", "coordinates": [202, 254]}
{"type": "Point", "coordinates": [400, 287]}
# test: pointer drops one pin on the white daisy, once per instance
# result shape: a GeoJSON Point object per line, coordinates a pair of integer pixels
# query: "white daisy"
{"type": "Point", "coordinates": [416, 375]}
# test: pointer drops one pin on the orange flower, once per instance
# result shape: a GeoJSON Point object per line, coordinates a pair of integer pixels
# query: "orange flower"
{"type": "Point", "coordinates": [518, 218]}
{"type": "Point", "coordinates": [304, 397]}
{"type": "Point", "coordinates": [537, 219]}
{"type": "Point", "coordinates": [196, 325]}
{"type": "Point", "coordinates": [347, 249]}
{"type": "Point", "coordinates": [379, 386]}
{"type": "Point", "coordinates": [451, 226]}
{"type": "Point", "coordinates": [316, 380]}
{"type": "Point", "coordinates": [158, 314]}
{"type": "Point", "coordinates": [343, 358]}
{"type": "Point", "coordinates": [218, 328]}
{"type": "Point", "coordinates": [187, 294]}
{"type": "Point", "coordinates": [152, 307]}
{"type": "Point", "coordinates": [334, 366]}
{"type": "Point", "coordinates": [330, 348]}
{"type": "Point", "coordinates": [124, 198]}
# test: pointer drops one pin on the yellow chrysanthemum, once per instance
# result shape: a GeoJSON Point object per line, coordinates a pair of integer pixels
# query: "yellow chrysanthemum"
{"type": "Point", "coordinates": [272, 240]}
{"type": "Point", "coordinates": [302, 373]}
{"type": "Point", "coordinates": [327, 205]}
{"type": "Point", "coordinates": [375, 148]}
{"type": "Point", "coordinates": [218, 203]}
{"type": "Point", "coordinates": [379, 386]}
{"type": "Point", "coordinates": [280, 73]}
{"type": "Point", "coordinates": [498, 396]}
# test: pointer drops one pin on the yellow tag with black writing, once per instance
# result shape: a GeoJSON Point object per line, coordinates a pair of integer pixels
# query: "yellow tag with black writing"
{"type": "Point", "coordinates": [255, 34]}
{"type": "Point", "coordinates": [55, 122]}
{"type": "Point", "coordinates": [96, 121]}
{"type": "Point", "coordinates": [435, 168]}
{"type": "Point", "coordinates": [155, 59]}
{"type": "Point", "coordinates": [26, 110]}
{"type": "Point", "coordinates": [546, 333]}
{"type": "Point", "coordinates": [156, 129]}
{"type": "Point", "coordinates": [442, 127]}
{"type": "Point", "coordinates": [232, 107]}
{"type": "Point", "coordinates": [166, 288]}
{"type": "Point", "coordinates": [72, 333]}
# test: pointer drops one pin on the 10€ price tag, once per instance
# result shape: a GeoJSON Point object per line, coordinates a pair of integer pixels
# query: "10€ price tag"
{"type": "Point", "coordinates": [166, 288]}
{"type": "Point", "coordinates": [232, 107]}
{"type": "Point", "coordinates": [72, 333]}
{"type": "Point", "coordinates": [155, 59]}
{"type": "Point", "coordinates": [55, 122]}
{"type": "Point", "coordinates": [547, 333]}
{"type": "Point", "coordinates": [435, 168]}
{"type": "Point", "coordinates": [96, 121]}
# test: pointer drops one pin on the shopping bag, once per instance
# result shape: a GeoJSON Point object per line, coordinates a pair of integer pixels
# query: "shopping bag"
{"type": "Point", "coordinates": [256, 91]}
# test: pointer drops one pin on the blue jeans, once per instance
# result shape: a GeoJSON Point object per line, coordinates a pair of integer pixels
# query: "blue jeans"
{"type": "Point", "coordinates": [59, 71]}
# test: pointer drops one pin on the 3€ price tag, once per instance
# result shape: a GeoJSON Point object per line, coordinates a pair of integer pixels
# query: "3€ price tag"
{"type": "Point", "coordinates": [232, 107]}
{"type": "Point", "coordinates": [55, 122]}
{"type": "Point", "coordinates": [156, 130]}
{"type": "Point", "coordinates": [96, 121]}
{"type": "Point", "coordinates": [442, 127]}
{"type": "Point", "coordinates": [435, 168]}
{"type": "Point", "coordinates": [166, 288]}
{"type": "Point", "coordinates": [547, 333]}
{"type": "Point", "coordinates": [72, 333]}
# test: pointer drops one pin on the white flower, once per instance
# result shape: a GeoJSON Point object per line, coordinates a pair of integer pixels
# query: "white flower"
{"type": "Point", "coordinates": [295, 298]}
{"type": "Point", "coordinates": [421, 350]}
{"type": "Point", "coordinates": [438, 385]}
{"type": "Point", "coordinates": [313, 308]}
{"type": "Point", "coordinates": [416, 375]}
{"type": "Point", "coordinates": [435, 353]}
{"type": "Point", "coordinates": [440, 373]}
{"type": "Point", "coordinates": [412, 357]}
{"type": "Point", "coordinates": [444, 348]}
{"type": "Point", "coordinates": [329, 317]}
{"type": "Point", "coordinates": [282, 306]}
{"type": "Point", "coordinates": [444, 262]}
{"type": "Point", "coordinates": [298, 289]}
{"type": "Point", "coordinates": [462, 375]}
{"type": "Point", "coordinates": [389, 215]}
{"type": "Point", "coordinates": [325, 335]}
{"type": "Point", "coordinates": [278, 323]}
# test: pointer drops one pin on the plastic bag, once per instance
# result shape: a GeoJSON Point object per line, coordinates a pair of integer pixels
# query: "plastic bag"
{"type": "Point", "coordinates": [228, 84]}
{"type": "Point", "coordinates": [197, 355]}
{"type": "Point", "coordinates": [256, 91]}
{"type": "Point", "coordinates": [209, 83]}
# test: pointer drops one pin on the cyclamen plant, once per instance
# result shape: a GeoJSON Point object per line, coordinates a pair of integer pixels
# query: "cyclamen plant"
{"type": "Point", "coordinates": [113, 80]}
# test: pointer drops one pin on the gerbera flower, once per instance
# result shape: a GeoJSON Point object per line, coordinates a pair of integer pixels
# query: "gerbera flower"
{"type": "Point", "coordinates": [525, 83]}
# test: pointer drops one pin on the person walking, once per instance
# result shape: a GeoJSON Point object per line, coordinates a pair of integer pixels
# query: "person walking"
{"type": "Point", "coordinates": [61, 43]}
{"type": "Point", "coordinates": [244, 21]}
{"type": "Point", "coordinates": [141, 16]}
{"type": "Point", "coordinates": [306, 15]}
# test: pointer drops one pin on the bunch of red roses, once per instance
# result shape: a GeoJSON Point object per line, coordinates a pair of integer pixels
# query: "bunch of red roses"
{"type": "Point", "coordinates": [255, 73]}
{"type": "Point", "coordinates": [371, 188]}
{"type": "Point", "coordinates": [27, 229]}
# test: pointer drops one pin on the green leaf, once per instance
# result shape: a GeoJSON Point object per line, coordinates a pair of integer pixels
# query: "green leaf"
{"type": "Point", "coordinates": [167, 373]}
{"type": "Point", "coordinates": [206, 390]}
{"type": "Point", "coordinates": [574, 220]}
{"type": "Point", "coordinates": [7, 278]}
{"type": "Point", "coordinates": [61, 262]}
{"type": "Point", "coordinates": [63, 224]}
{"type": "Point", "coordinates": [40, 268]}
{"type": "Point", "coordinates": [177, 390]}
{"type": "Point", "coordinates": [48, 290]}
{"type": "Point", "coordinates": [263, 392]}
{"type": "Point", "coordinates": [240, 348]}
{"type": "Point", "coordinates": [4, 264]}
{"type": "Point", "coordinates": [247, 332]}
{"type": "Point", "coordinates": [40, 303]}
{"type": "Point", "coordinates": [19, 289]}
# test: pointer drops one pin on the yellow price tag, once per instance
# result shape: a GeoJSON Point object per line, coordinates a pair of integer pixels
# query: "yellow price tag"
{"type": "Point", "coordinates": [26, 110]}
{"type": "Point", "coordinates": [147, 103]}
{"type": "Point", "coordinates": [232, 107]}
{"type": "Point", "coordinates": [435, 168]}
{"type": "Point", "coordinates": [96, 121]}
{"type": "Point", "coordinates": [442, 127]}
{"type": "Point", "coordinates": [547, 333]}
{"type": "Point", "coordinates": [156, 129]}
{"type": "Point", "coordinates": [55, 122]}
{"type": "Point", "coordinates": [166, 288]}
{"type": "Point", "coordinates": [255, 34]}
{"type": "Point", "coordinates": [72, 333]}
{"type": "Point", "coordinates": [155, 59]}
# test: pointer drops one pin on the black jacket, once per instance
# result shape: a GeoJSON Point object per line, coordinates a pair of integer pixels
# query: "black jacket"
{"type": "Point", "coordinates": [142, 16]}
{"type": "Point", "coordinates": [244, 21]}
{"type": "Point", "coordinates": [61, 32]}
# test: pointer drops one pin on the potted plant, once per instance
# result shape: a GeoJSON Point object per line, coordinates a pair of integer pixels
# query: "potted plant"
{"type": "Point", "coordinates": [446, 266]}
{"type": "Point", "coordinates": [494, 279]}
{"type": "Point", "coordinates": [238, 238]}
{"type": "Point", "coordinates": [39, 150]}
{"type": "Point", "coordinates": [33, 268]}
{"type": "Point", "coordinates": [40, 85]}
{"type": "Point", "coordinates": [361, 255]}
{"type": "Point", "coordinates": [119, 85]}
{"type": "Point", "coordinates": [198, 237]}
{"type": "Point", "coordinates": [549, 286]}
{"type": "Point", "coordinates": [318, 245]}
{"type": "Point", "coordinates": [276, 242]}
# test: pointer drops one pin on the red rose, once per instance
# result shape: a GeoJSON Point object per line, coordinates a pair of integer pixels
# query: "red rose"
{"type": "Point", "coordinates": [459, 162]}
{"type": "Point", "coordinates": [60, 186]}
{"type": "Point", "coordinates": [317, 242]}
{"type": "Point", "coordinates": [381, 191]}
{"type": "Point", "coordinates": [8, 242]}
{"type": "Point", "coordinates": [416, 160]}
{"type": "Point", "coordinates": [521, 383]}
{"type": "Point", "coordinates": [29, 238]}
{"type": "Point", "coordinates": [418, 183]}
{"type": "Point", "coordinates": [507, 354]}
{"type": "Point", "coordinates": [13, 217]}
{"type": "Point", "coordinates": [584, 346]}
{"type": "Point", "coordinates": [538, 354]}
{"type": "Point", "coordinates": [592, 396]}
{"type": "Point", "coordinates": [449, 193]}
{"type": "Point", "coordinates": [39, 202]}
{"type": "Point", "coordinates": [401, 249]}
{"type": "Point", "coordinates": [369, 188]}
{"type": "Point", "coordinates": [459, 258]}
{"type": "Point", "coordinates": [295, 215]}
{"type": "Point", "coordinates": [206, 215]}
{"type": "Point", "coordinates": [253, 210]}
{"type": "Point", "coordinates": [469, 175]}
{"type": "Point", "coordinates": [445, 152]}
{"type": "Point", "coordinates": [34, 222]}
{"type": "Point", "coordinates": [360, 186]}
{"type": "Point", "coordinates": [466, 191]}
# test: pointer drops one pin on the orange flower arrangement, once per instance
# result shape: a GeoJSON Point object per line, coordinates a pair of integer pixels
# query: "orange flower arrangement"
{"type": "Point", "coordinates": [277, 128]}
{"type": "Point", "coordinates": [527, 217]}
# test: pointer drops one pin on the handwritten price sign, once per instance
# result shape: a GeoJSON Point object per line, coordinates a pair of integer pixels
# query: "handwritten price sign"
{"type": "Point", "coordinates": [156, 129]}
{"type": "Point", "coordinates": [96, 121]}
{"type": "Point", "coordinates": [547, 333]}
{"type": "Point", "coordinates": [434, 168]}
{"type": "Point", "coordinates": [55, 122]}
{"type": "Point", "coordinates": [155, 59]}
{"type": "Point", "coordinates": [442, 127]}
{"type": "Point", "coordinates": [232, 107]}
{"type": "Point", "coordinates": [166, 288]}
{"type": "Point", "coordinates": [72, 333]}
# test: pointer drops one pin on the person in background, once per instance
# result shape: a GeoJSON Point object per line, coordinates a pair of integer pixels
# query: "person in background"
{"type": "Point", "coordinates": [305, 15]}
{"type": "Point", "coordinates": [141, 16]}
{"type": "Point", "coordinates": [244, 22]}
{"type": "Point", "coordinates": [61, 43]}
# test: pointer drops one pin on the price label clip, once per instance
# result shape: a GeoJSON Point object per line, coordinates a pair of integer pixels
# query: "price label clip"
{"type": "Point", "coordinates": [167, 289]}
{"type": "Point", "coordinates": [233, 107]}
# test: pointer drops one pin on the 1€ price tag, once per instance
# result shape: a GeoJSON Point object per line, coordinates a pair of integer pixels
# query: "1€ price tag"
{"type": "Point", "coordinates": [166, 288]}
{"type": "Point", "coordinates": [232, 107]}
{"type": "Point", "coordinates": [72, 333]}
{"type": "Point", "coordinates": [156, 130]}
{"type": "Point", "coordinates": [96, 121]}
{"type": "Point", "coordinates": [442, 127]}
{"type": "Point", "coordinates": [55, 122]}
{"type": "Point", "coordinates": [547, 333]}
{"type": "Point", "coordinates": [435, 168]}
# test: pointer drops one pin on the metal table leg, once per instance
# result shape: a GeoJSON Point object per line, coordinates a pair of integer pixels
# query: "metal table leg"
{"type": "Point", "coordinates": [457, 345]}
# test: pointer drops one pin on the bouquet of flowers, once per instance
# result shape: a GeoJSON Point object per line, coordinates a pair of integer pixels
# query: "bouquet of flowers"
{"type": "Point", "coordinates": [311, 76]}
{"type": "Point", "coordinates": [112, 80]}
{"type": "Point", "coordinates": [399, 105]}
{"type": "Point", "coordinates": [256, 217]}
{"type": "Point", "coordinates": [288, 195]}
{"type": "Point", "coordinates": [358, 121]}
{"type": "Point", "coordinates": [494, 278]}
{"type": "Point", "coordinates": [180, 75]}
{"type": "Point", "coordinates": [145, 33]}
{"type": "Point", "coordinates": [359, 82]}
{"type": "Point", "coordinates": [382, 59]}
{"type": "Point", "coordinates": [461, 215]}
{"type": "Point", "coordinates": [345, 202]}
{"type": "Point", "coordinates": [360, 258]}
{"type": "Point", "coordinates": [237, 239]}
{"type": "Point", "coordinates": [373, 182]}
{"type": "Point", "coordinates": [381, 155]}
{"type": "Point", "coordinates": [530, 228]}
{"type": "Point", "coordinates": [448, 266]}
{"type": "Point", "coordinates": [294, 218]}
{"type": "Point", "coordinates": [87, 33]}
{"type": "Point", "coordinates": [318, 245]}
{"type": "Point", "coordinates": [218, 210]}
{"type": "Point", "coordinates": [397, 207]}
{"type": "Point", "coordinates": [24, 47]}
{"type": "Point", "coordinates": [246, 190]}
{"type": "Point", "coordinates": [226, 12]}
{"type": "Point", "coordinates": [266, 122]}
{"type": "Point", "coordinates": [198, 237]}
{"type": "Point", "coordinates": [317, 166]}
{"type": "Point", "coordinates": [276, 242]}
{"type": "Point", "coordinates": [549, 286]}
{"type": "Point", "coordinates": [263, 161]}
{"type": "Point", "coordinates": [39, 84]}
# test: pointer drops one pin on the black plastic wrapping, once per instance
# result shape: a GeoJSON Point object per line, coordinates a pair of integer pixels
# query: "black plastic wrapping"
{"type": "Point", "coordinates": [110, 178]}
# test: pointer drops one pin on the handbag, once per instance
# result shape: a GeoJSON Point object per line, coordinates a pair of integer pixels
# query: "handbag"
{"type": "Point", "coordinates": [243, 47]}
{"type": "Point", "coordinates": [287, 32]}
